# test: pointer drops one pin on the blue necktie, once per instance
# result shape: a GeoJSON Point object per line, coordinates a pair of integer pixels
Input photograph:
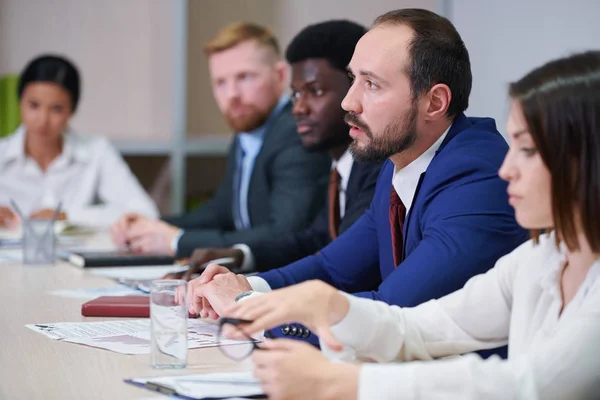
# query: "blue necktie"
{"type": "Point", "coordinates": [237, 182]}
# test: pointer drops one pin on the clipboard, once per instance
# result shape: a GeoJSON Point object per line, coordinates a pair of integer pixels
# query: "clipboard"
{"type": "Point", "coordinates": [164, 388]}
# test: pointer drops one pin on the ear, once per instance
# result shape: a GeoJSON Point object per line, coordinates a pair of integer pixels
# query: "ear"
{"type": "Point", "coordinates": [438, 97]}
{"type": "Point", "coordinates": [283, 73]}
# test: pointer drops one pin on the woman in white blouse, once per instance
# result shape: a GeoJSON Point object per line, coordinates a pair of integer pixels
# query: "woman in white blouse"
{"type": "Point", "coordinates": [543, 299]}
{"type": "Point", "coordinates": [46, 162]}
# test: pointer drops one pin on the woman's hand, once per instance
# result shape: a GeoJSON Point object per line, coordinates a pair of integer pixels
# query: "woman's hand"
{"type": "Point", "coordinates": [291, 369]}
{"type": "Point", "coordinates": [312, 303]}
{"type": "Point", "coordinates": [8, 219]}
{"type": "Point", "coordinates": [48, 213]}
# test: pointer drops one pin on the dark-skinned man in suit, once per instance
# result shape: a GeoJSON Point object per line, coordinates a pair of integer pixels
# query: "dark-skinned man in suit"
{"type": "Point", "coordinates": [271, 184]}
{"type": "Point", "coordinates": [318, 56]}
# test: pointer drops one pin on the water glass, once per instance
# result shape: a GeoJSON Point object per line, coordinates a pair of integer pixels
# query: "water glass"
{"type": "Point", "coordinates": [39, 241]}
{"type": "Point", "coordinates": [168, 324]}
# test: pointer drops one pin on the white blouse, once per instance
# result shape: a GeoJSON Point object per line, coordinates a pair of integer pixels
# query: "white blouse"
{"type": "Point", "coordinates": [94, 183]}
{"type": "Point", "coordinates": [551, 355]}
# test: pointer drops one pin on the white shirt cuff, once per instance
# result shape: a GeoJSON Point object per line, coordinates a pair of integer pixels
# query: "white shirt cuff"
{"type": "Point", "coordinates": [175, 241]}
{"type": "Point", "coordinates": [248, 262]}
{"type": "Point", "coordinates": [386, 382]}
{"type": "Point", "coordinates": [355, 328]}
{"type": "Point", "coordinates": [259, 284]}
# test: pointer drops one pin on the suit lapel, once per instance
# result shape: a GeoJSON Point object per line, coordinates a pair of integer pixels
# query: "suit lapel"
{"type": "Point", "coordinates": [265, 150]}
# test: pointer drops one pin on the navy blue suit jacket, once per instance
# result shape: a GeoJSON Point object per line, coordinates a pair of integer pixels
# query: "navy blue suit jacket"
{"type": "Point", "coordinates": [459, 224]}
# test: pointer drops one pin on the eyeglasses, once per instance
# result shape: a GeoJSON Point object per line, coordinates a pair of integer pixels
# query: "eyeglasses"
{"type": "Point", "coordinates": [237, 351]}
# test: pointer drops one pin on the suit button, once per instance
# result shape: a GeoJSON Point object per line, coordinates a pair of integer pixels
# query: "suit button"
{"type": "Point", "coordinates": [294, 331]}
{"type": "Point", "coordinates": [285, 330]}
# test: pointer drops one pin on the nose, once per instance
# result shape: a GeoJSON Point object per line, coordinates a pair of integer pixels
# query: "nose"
{"type": "Point", "coordinates": [232, 92]}
{"type": "Point", "coordinates": [300, 106]}
{"type": "Point", "coordinates": [351, 102]}
{"type": "Point", "coordinates": [508, 170]}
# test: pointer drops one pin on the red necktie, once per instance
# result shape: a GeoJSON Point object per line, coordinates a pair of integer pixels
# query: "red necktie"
{"type": "Point", "coordinates": [397, 215]}
{"type": "Point", "coordinates": [334, 203]}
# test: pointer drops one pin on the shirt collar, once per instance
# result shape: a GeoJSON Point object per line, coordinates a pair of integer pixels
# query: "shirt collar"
{"type": "Point", "coordinates": [73, 147]}
{"type": "Point", "coordinates": [344, 167]}
{"type": "Point", "coordinates": [405, 180]}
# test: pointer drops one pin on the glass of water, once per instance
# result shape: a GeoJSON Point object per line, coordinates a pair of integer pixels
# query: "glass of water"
{"type": "Point", "coordinates": [39, 241]}
{"type": "Point", "coordinates": [168, 324]}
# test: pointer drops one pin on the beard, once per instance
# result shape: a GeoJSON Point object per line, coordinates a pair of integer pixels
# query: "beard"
{"type": "Point", "coordinates": [253, 118]}
{"type": "Point", "coordinates": [398, 136]}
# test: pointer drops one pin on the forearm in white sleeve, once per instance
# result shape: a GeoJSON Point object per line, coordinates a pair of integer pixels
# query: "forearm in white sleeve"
{"type": "Point", "coordinates": [259, 284]}
{"type": "Point", "coordinates": [248, 263]}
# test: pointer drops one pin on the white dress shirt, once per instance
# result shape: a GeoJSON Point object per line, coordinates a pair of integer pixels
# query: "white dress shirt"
{"type": "Point", "coordinates": [405, 183]}
{"type": "Point", "coordinates": [344, 168]}
{"type": "Point", "coordinates": [552, 355]}
{"type": "Point", "coordinates": [91, 179]}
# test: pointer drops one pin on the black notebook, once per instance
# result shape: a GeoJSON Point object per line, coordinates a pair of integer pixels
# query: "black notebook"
{"type": "Point", "coordinates": [90, 259]}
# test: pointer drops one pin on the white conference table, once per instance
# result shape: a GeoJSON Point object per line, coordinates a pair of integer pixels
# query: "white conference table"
{"type": "Point", "coordinates": [33, 366]}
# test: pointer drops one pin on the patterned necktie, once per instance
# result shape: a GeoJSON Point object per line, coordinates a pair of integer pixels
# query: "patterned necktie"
{"type": "Point", "coordinates": [334, 203]}
{"type": "Point", "coordinates": [397, 215]}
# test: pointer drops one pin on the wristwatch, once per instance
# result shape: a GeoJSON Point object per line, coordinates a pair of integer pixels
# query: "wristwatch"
{"type": "Point", "coordinates": [243, 294]}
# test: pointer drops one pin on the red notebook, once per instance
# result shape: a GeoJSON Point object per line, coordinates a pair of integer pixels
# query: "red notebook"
{"type": "Point", "coordinates": [119, 306]}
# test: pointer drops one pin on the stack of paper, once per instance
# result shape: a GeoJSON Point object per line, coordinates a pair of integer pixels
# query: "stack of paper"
{"type": "Point", "coordinates": [126, 336]}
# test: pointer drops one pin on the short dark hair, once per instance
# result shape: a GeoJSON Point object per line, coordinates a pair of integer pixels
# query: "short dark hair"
{"type": "Point", "coordinates": [55, 69]}
{"type": "Point", "coordinates": [332, 40]}
{"type": "Point", "coordinates": [437, 55]}
{"type": "Point", "coordinates": [561, 105]}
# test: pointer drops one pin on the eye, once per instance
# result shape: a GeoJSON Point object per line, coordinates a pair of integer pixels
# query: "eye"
{"type": "Point", "coordinates": [295, 95]}
{"type": "Point", "coordinates": [351, 77]}
{"type": "Point", "coordinates": [315, 91]}
{"type": "Point", "coordinates": [371, 85]}
{"type": "Point", "coordinates": [58, 109]}
{"type": "Point", "coordinates": [529, 151]}
{"type": "Point", "coordinates": [33, 105]}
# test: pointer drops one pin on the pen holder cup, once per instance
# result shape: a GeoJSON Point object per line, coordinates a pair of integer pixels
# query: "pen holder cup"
{"type": "Point", "coordinates": [39, 241]}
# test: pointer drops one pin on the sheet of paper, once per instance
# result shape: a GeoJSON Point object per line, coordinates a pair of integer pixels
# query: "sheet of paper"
{"type": "Point", "coordinates": [65, 330]}
{"type": "Point", "coordinates": [135, 273]}
{"type": "Point", "coordinates": [126, 336]}
{"type": "Point", "coordinates": [199, 386]}
{"type": "Point", "coordinates": [92, 293]}
{"type": "Point", "coordinates": [11, 255]}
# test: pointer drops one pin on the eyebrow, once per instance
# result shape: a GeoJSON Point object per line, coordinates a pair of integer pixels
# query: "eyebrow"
{"type": "Point", "coordinates": [517, 134]}
{"type": "Point", "coordinates": [367, 73]}
{"type": "Point", "coordinates": [305, 83]}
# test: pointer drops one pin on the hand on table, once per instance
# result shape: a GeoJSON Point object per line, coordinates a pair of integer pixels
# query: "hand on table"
{"type": "Point", "coordinates": [145, 235]}
{"type": "Point", "coordinates": [313, 303]}
{"type": "Point", "coordinates": [214, 291]}
{"type": "Point", "coordinates": [47, 213]}
{"type": "Point", "coordinates": [8, 219]}
{"type": "Point", "coordinates": [290, 369]}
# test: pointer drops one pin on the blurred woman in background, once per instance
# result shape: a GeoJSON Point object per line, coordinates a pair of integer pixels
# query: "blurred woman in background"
{"type": "Point", "coordinates": [45, 162]}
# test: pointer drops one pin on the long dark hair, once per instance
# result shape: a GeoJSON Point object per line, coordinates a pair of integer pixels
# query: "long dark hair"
{"type": "Point", "coordinates": [561, 105]}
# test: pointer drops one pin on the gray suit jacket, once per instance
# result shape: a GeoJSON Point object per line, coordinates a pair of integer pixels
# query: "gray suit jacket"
{"type": "Point", "coordinates": [286, 189]}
